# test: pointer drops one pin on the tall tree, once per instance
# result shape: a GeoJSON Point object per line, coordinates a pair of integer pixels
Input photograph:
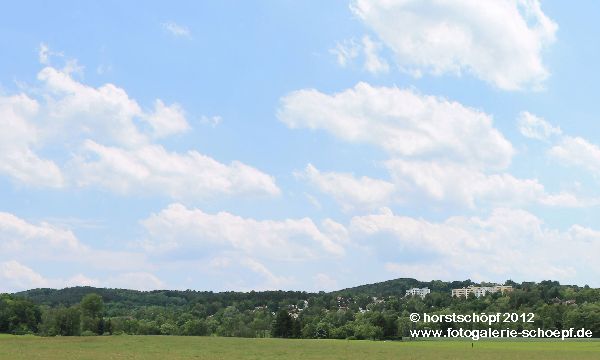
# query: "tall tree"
{"type": "Point", "coordinates": [282, 325]}
{"type": "Point", "coordinates": [92, 306]}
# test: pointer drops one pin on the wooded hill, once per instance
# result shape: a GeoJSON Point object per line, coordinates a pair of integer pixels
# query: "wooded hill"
{"type": "Point", "coordinates": [372, 311]}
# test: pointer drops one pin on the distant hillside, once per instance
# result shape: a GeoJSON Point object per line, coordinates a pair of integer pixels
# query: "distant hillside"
{"type": "Point", "coordinates": [134, 298]}
{"type": "Point", "coordinates": [399, 287]}
{"type": "Point", "coordinates": [73, 295]}
{"type": "Point", "coordinates": [371, 311]}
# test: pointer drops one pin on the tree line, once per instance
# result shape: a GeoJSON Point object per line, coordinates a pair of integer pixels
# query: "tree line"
{"type": "Point", "coordinates": [376, 311]}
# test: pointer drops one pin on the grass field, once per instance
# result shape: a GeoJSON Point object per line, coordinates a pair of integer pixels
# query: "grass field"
{"type": "Point", "coordinates": [175, 347]}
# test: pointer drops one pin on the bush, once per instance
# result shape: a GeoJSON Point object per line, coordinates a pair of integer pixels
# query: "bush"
{"type": "Point", "coordinates": [88, 333]}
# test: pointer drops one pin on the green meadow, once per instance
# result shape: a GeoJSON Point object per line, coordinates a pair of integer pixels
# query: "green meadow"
{"type": "Point", "coordinates": [178, 347]}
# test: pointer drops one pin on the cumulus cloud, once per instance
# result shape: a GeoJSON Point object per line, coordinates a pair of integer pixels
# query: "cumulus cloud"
{"type": "Point", "coordinates": [345, 51]}
{"type": "Point", "coordinates": [176, 29]}
{"type": "Point", "coordinates": [177, 227]}
{"type": "Point", "coordinates": [373, 62]}
{"type": "Point", "coordinates": [74, 110]}
{"type": "Point", "coordinates": [244, 273]}
{"type": "Point", "coordinates": [349, 50]}
{"type": "Point", "coordinates": [109, 141]}
{"type": "Point", "coordinates": [463, 185]}
{"type": "Point", "coordinates": [270, 280]}
{"type": "Point", "coordinates": [402, 122]}
{"type": "Point", "coordinates": [578, 152]}
{"type": "Point", "coordinates": [212, 121]}
{"type": "Point", "coordinates": [18, 235]}
{"type": "Point", "coordinates": [15, 276]}
{"type": "Point", "coordinates": [500, 42]}
{"type": "Point", "coordinates": [18, 140]}
{"type": "Point", "coordinates": [43, 53]}
{"type": "Point", "coordinates": [508, 243]}
{"type": "Point", "coordinates": [47, 243]}
{"type": "Point", "coordinates": [167, 120]}
{"type": "Point", "coordinates": [151, 169]}
{"type": "Point", "coordinates": [534, 127]}
{"type": "Point", "coordinates": [441, 152]}
{"type": "Point", "coordinates": [573, 151]}
{"type": "Point", "coordinates": [348, 190]}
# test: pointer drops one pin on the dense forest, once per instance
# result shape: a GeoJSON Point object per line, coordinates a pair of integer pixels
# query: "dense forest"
{"type": "Point", "coordinates": [374, 311]}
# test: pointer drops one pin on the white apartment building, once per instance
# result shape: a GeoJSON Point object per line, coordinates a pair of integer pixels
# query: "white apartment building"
{"type": "Point", "coordinates": [419, 292]}
{"type": "Point", "coordinates": [479, 291]}
{"type": "Point", "coordinates": [503, 288]}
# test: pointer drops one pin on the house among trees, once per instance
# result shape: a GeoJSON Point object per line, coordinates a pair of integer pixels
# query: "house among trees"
{"type": "Point", "coordinates": [418, 292]}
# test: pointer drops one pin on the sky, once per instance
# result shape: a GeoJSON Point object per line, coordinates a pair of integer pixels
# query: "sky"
{"type": "Point", "coordinates": [298, 145]}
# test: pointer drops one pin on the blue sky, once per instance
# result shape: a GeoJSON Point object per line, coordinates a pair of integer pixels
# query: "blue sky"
{"type": "Point", "coordinates": [297, 145]}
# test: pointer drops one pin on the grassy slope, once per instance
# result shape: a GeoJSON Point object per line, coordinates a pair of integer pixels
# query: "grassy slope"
{"type": "Point", "coordinates": [174, 347]}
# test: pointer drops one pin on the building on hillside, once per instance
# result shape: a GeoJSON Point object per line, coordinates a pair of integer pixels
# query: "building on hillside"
{"type": "Point", "coordinates": [418, 292]}
{"type": "Point", "coordinates": [479, 291]}
{"type": "Point", "coordinates": [503, 288]}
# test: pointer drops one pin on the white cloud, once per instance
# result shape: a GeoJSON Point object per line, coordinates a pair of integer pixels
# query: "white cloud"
{"type": "Point", "coordinates": [348, 50]}
{"type": "Point", "coordinates": [314, 201]}
{"type": "Point", "coordinates": [572, 151]}
{"type": "Point", "coordinates": [107, 114]}
{"type": "Point", "coordinates": [465, 186]}
{"type": "Point", "coordinates": [72, 67]}
{"type": "Point", "coordinates": [441, 152]}
{"type": "Point", "coordinates": [176, 29]}
{"type": "Point", "coordinates": [237, 270]}
{"type": "Point", "coordinates": [500, 42]}
{"type": "Point", "coordinates": [103, 69]}
{"type": "Point", "coordinates": [178, 227]}
{"type": "Point", "coordinates": [345, 52]}
{"type": "Point", "coordinates": [15, 276]}
{"type": "Point", "coordinates": [43, 53]}
{"type": "Point", "coordinates": [47, 243]}
{"type": "Point", "coordinates": [578, 152]}
{"type": "Point", "coordinates": [213, 121]}
{"type": "Point", "coordinates": [167, 120]}
{"type": "Point", "coordinates": [74, 110]}
{"type": "Point", "coordinates": [151, 169]}
{"type": "Point", "coordinates": [271, 281]}
{"type": "Point", "coordinates": [18, 140]}
{"type": "Point", "coordinates": [107, 140]}
{"type": "Point", "coordinates": [351, 192]}
{"type": "Point", "coordinates": [508, 244]}
{"type": "Point", "coordinates": [373, 62]}
{"type": "Point", "coordinates": [535, 127]}
{"type": "Point", "coordinates": [402, 122]}
{"type": "Point", "coordinates": [17, 234]}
